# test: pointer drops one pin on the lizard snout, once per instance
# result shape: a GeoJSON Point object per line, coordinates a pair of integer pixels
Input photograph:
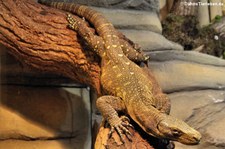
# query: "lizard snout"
{"type": "Point", "coordinates": [177, 130]}
{"type": "Point", "coordinates": [193, 138]}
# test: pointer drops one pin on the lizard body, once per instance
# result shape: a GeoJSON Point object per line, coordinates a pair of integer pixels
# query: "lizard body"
{"type": "Point", "coordinates": [129, 88]}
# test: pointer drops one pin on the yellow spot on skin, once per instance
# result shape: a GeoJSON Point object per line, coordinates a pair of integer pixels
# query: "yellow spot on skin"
{"type": "Point", "coordinates": [98, 42]}
{"type": "Point", "coordinates": [108, 62]}
{"type": "Point", "coordinates": [119, 75]}
{"type": "Point", "coordinates": [117, 88]}
{"type": "Point", "coordinates": [120, 55]}
{"type": "Point", "coordinates": [128, 63]}
{"type": "Point", "coordinates": [114, 46]}
{"type": "Point", "coordinates": [131, 73]}
{"type": "Point", "coordinates": [104, 55]}
{"type": "Point", "coordinates": [115, 66]}
{"type": "Point", "coordinates": [107, 47]}
{"type": "Point", "coordinates": [124, 94]}
{"type": "Point", "coordinates": [127, 83]}
{"type": "Point", "coordinates": [103, 25]}
{"type": "Point", "coordinates": [103, 74]}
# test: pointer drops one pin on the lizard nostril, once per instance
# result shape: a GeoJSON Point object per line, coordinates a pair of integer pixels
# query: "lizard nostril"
{"type": "Point", "coordinates": [197, 139]}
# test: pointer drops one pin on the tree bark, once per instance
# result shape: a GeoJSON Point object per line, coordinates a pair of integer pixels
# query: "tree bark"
{"type": "Point", "coordinates": [103, 141]}
{"type": "Point", "coordinates": [38, 36]}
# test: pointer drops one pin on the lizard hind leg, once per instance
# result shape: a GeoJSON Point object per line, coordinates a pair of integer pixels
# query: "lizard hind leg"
{"type": "Point", "coordinates": [130, 49]}
{"type": "Point", "coordinates": [132, 53]}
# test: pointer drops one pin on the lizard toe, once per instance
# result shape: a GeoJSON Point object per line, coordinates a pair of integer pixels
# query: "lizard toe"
{"type": "Point", "coordinates": [125, 119]}
{"type": "Point", "coordinates": [122, 128]}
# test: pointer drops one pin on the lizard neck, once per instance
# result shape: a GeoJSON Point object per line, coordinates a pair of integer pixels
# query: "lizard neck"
{"type": "Point", "coordinates": [147, 117]}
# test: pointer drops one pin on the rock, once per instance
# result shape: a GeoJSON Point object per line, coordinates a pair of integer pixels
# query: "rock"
{"type": "Point", "coordinates": [179, 75]}
{"type": "Point", "coordinates": [42, 112]}
{"type": "Point", "coordinates": [150, 41]}
{"type": "Point", "coordinates": [203, 110]}
{"type": "Point", "coordinates": [192, 100]}
{"type": "Point", "coordinates": [215, 131]}
{"type": "Point", "coordinates": [127, 19]}
{"type": "Point", "coordinates": [151, 5]}
{"type": "Point", "coordinates": [187, 56]}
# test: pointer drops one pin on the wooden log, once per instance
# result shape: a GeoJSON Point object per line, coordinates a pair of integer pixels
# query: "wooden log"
{"type": "Point", "coordinates": [114, 142]}
{"type": "Point", "coordinates": [38, 36]}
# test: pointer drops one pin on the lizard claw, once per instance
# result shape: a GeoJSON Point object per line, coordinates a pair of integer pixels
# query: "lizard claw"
{"type": "Point", "coordinates": [122, 128]}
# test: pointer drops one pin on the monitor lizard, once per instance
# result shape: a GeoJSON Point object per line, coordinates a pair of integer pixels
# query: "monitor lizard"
{"type": "Point", "coordinates": [127, 87]}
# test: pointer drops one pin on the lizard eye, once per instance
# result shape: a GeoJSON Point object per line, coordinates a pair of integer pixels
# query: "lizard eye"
{"type": "Point", "coordinates": [176, 132]}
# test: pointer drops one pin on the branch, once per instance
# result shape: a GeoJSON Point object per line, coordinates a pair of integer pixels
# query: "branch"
{"type": "Point", "coordinates": [38, 36]}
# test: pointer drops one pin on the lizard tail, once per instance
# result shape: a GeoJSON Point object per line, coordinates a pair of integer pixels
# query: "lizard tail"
{"type": "Point", "coordinates": [101, 24]}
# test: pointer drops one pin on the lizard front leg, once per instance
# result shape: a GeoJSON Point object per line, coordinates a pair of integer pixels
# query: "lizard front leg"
{"type": "Point", "coordinates": [108, 106]}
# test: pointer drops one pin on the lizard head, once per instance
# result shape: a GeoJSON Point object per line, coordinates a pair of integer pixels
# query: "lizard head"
{"type": "Point", "coordinates": [177, 130]}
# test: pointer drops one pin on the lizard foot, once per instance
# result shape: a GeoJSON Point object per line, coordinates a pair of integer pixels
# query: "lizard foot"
{"type": "Point", "coordinates": [73, 24]}
{"type": "Point", "coordinates": [122, 128]}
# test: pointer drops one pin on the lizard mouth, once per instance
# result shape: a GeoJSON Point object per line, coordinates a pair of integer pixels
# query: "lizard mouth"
{"type": "Point", "coordinates": [190, 139]}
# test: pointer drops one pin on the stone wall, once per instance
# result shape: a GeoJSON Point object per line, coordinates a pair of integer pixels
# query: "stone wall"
{"type": "Point", "coordinates": [150, 5]}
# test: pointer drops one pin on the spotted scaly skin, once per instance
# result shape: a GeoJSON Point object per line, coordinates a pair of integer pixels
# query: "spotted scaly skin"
{"type": "Point", "coordinates": [101, 25]}
{"type": "Point", "coordinates": [131, 89]}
